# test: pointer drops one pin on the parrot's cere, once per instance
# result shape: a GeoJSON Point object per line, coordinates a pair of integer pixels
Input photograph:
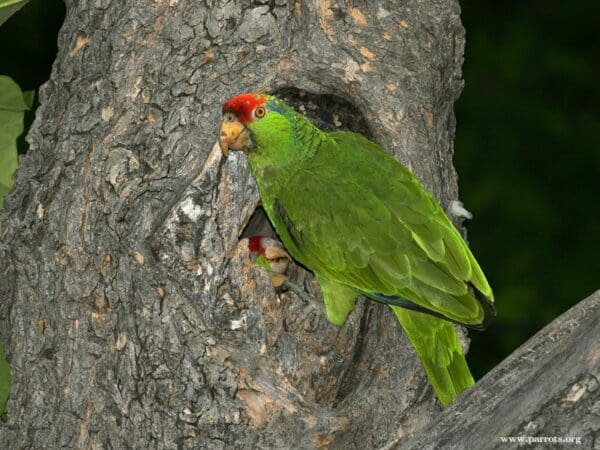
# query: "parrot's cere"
{"type": "Point", "coordinates": [347, 210]}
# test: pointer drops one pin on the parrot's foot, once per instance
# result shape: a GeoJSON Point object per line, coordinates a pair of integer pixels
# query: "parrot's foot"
{"type": "Point", "coordinates": [463, 338]}
{"type": "Point", "coordinates": [456, 210]}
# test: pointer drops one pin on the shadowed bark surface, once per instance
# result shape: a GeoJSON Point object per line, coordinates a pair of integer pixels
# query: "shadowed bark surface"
{"type": "Point", "coordinates": [131, 314]}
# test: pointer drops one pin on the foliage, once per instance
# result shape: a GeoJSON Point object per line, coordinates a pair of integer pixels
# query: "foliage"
{"type": "Point", "coordinates": [13, 104]}
{"type": "Point", "coordinates": [9, 7]}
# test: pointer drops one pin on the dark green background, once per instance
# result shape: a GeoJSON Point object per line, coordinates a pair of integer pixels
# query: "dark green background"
{"type": "Point", "coordinates": [528, 156]}
{"type": "Point", "coordinates": [527, 151]}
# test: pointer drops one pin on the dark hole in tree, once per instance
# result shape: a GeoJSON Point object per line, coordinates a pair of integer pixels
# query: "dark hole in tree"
{"type": "Point", "coordinates": [258, 225]}
{"type": "Point", "coordinates": [328, 112]}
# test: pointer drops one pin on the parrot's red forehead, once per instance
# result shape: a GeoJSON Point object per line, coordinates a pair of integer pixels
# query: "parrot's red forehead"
{"type": "Point", "coordinates": [243, 105]}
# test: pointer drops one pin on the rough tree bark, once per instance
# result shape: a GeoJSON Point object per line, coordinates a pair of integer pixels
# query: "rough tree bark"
{"type": "Point", "coordinates": [130, 313]}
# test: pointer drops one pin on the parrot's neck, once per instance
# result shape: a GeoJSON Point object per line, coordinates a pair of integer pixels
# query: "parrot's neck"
{"type": "Point", "coordinates": [285, 147]}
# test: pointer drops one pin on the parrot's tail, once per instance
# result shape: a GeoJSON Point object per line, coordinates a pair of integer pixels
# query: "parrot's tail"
{"type": "Point", "coordinates": [437, 345]}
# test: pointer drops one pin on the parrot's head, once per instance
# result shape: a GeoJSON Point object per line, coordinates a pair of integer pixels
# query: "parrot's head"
{"type": "Point", "coordinates": [253, 119]}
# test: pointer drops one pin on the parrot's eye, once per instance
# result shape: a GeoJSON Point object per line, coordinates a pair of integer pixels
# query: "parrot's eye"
{"type": "Point", "coordinates": [260, 112]}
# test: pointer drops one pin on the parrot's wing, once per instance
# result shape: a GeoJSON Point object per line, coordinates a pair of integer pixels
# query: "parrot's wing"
{"type": "Point", "coordinates": [357, 217]}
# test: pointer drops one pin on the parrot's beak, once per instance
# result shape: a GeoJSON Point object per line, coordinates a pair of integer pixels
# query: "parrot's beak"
{"type": "Point", "coordinates": [233, 135]}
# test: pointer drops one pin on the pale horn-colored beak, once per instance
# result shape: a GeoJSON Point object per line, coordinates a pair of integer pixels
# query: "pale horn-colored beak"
{"type": "Point", "coordinates": [233, 135]}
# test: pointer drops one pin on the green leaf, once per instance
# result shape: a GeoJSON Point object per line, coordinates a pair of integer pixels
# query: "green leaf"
{"type": "Point", "coordinates": [13, 104]}
{"type": "Point", "coordinates": [11, 97]}
{"type": "Point", "coordinates": [28, 97]}
{"type": "Point", "coordinates": [9, 7]}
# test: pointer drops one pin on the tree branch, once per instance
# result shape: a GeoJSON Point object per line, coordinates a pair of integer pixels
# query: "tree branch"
{"type": "Point", "coordinates": [549, 387]}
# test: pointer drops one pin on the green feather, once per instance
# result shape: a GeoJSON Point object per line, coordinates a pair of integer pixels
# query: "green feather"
{"type": "Point", "coordinates": [263, 262]}
{"type": "Point", "coordinates": [339, 300]}
{"type": "Point", "coordinates": [357, 218]}
{"type": "Point", "coordinates": [437, 346]}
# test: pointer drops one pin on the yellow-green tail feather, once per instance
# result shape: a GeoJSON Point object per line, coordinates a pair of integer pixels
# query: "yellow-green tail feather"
{"type": "Point", "coordinates": [440, 352]}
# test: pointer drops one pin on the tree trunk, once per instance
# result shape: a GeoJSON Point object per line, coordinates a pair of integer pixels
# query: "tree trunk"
{"type": "Point", "coordinates": [131, 315]}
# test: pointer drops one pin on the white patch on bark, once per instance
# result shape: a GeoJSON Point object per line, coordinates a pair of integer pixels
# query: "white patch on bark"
{"type": "Point", "coordinates": [237, 324]}
{"type": "Point", "coordinates": [382, 13]}
{"type": "Point", "coordinates": [190, 209]}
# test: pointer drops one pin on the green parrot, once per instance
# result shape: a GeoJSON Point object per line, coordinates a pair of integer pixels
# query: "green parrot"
{"type": "Point", "coordinates": [364, 225]}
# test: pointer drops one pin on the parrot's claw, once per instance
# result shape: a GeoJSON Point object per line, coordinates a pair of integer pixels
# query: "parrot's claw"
{"type": "Point", "coordinates": [457, 210]}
